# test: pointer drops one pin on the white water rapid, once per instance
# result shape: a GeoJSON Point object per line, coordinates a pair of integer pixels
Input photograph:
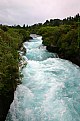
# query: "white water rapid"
{"type": "Point", "coordinates": [50, 89]}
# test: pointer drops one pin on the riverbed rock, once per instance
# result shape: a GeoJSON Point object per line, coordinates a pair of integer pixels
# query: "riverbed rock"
{"type": "Point", "coordinates": [52, 48]}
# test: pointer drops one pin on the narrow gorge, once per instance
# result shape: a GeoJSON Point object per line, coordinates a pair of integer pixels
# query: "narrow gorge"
{"type": "Point", "coordinates": [50, 89]}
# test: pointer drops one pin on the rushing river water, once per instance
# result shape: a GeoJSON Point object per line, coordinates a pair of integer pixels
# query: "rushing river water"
{"type": "Point", "coordinates": [50, 89]}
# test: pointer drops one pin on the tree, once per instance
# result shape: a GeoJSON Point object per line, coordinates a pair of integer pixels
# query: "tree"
{"type": "Point", "coordinates": [24, 26]}
{"type": "Point", "coordinates": [78, 33]}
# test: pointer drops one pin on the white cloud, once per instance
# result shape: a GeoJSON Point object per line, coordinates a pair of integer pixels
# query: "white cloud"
{"type": "Point", "coordinates": [32, 11]}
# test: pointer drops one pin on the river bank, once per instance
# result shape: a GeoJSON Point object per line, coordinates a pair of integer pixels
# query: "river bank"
{"type": "Point", "coordinates": [11, 40]}
{"type": "Point", "coordinates": [6, 97]}
{"type": "Point", "coordinates": [73, 58]}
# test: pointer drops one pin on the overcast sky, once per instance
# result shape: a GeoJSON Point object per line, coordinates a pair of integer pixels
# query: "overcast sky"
{"type": "Point", "coordinates": [36, 11]}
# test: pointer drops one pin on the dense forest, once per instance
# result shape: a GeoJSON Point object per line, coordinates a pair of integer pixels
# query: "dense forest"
{"type": "Point", "coordinates": [60, 36]}
{"type": "Point", "coordinates": [11, 40]}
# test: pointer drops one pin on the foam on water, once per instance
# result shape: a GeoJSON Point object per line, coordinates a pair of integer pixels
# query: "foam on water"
{"type": "Point", "coordinates": [50, 89]}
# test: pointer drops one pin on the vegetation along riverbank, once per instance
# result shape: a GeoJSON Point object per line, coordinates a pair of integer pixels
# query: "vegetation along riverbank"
{"type": "Point", "coordinates": [61, 37]}
{"type": "Point", "coordinates": [11, 40]}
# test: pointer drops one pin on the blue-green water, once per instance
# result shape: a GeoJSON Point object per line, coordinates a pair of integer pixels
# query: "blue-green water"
{"type": "Point", "coordinates": [50, 89]}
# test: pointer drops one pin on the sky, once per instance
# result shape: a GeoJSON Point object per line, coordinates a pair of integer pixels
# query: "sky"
{"type": "Point", "coordinates": [29, 12]}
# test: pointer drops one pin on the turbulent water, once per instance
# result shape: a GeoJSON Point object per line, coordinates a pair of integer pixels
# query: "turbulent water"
{"type": "Point", "coordinates": [50, 89]}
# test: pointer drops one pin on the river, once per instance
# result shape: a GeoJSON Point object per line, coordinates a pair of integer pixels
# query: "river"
{"type": "Point", "coordinates": [50, 89]}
